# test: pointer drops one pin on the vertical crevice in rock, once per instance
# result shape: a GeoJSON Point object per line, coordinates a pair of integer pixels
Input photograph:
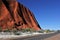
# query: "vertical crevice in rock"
{"type": "Point", "coordinates": [20, 13]}
{"type": "Point", "coordinates": [7, 6]}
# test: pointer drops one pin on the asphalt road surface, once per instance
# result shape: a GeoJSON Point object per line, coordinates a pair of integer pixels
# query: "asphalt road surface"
{"type": "Point", "coordinates": [56, 37]}
{"type": "Point", "coordinates": [39, 37]}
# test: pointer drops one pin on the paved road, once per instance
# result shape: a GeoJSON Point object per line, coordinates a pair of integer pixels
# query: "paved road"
{"type": "Point", "coordinates": [56, 37]}
{"type": "Point", "coordinates": [38, 37]}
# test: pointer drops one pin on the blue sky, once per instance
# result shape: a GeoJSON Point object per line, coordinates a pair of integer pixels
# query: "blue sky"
{"type": "Point", "coordinates": [47, 12]}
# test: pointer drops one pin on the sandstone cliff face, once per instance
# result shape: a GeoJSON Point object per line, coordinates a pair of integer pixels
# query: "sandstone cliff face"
{"type": "Point", "coordinates": [15, 15]}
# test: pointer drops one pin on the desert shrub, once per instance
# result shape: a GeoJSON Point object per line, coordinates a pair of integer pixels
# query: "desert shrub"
{"type": "Point", "coordinates": [28, 30]}
{"type": "Point", "coordinates": [58, 30]}
{"type": "Point", "coordinates": [41, 31]}
{"type": "Point", "coordinates": [7, 30]}
{"type": "Point", "coordinates": [0, 29]}
{"type": "Point", "coordinates": [47, 31]}
{"type": "Point", "coordinates": [16, 33]}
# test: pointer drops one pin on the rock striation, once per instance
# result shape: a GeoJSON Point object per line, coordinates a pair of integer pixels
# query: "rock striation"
{"type": "Point", "coordinates": [14, 15]}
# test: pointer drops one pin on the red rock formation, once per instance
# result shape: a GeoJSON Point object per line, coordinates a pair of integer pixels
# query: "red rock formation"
{"type": "Point", "coordinates": [14, 14]}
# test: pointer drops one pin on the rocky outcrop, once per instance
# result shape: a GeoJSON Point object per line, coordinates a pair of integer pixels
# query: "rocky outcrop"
{"type": "Point", "coordinates": [15, 15]}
